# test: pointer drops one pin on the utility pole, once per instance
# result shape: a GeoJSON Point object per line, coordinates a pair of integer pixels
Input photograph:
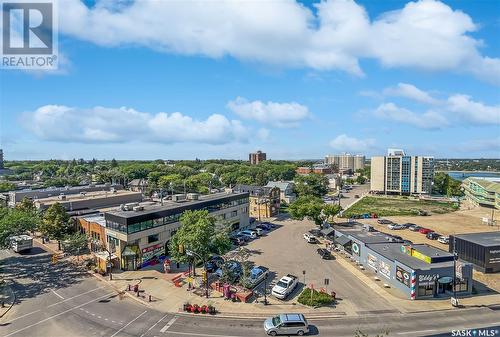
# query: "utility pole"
{"type": "Point", "coordinates": [454, 301]}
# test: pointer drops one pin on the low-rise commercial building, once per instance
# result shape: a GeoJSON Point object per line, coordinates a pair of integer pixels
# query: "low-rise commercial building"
{"type": "Point", "coordinates": [286, 190]}
{"type": "Point", "coordinates": [316, 168]}
{"type": "Point", "coordinates": [89, 200]}
{"type": "Point", "coordinates": [17, 196]}
{"type": "Point", "coordinates": [264, 201]}
{"type": "Point", "coordinates": [141, 233]}
{"type": "Point", "coordinates": [398, 173]}
{"type": "Point", "coordinates": [417, 270]}
{"type": "Point", "coordinates": [480, 249]}
{"type": "Point", "coordinates": [482, 192]}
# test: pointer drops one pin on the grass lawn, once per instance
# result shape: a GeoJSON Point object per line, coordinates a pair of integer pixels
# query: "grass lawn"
{"type": "Point", "coordinates": [387, 206]}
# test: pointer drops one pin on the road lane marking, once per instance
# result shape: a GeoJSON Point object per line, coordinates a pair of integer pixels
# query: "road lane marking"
{"type": "Point", "coordinates": [62, 298]}
{"type": "Point", "coordinates": [132, 321]}
{"type": "Point", "coordinates": [413, 332]}
{"type": "Point", "coordinates": [53, 304]}
{"type": "Point", "coordinates": [198, 334]}
{"type": "Point", "coordinates": [152, 326]}
{"type": "Point", "coordinates": [57, 315]}
{"type": "Point", "coordinates": [169, 324]}
{"type": "Point", "coordinates": [70, 298]}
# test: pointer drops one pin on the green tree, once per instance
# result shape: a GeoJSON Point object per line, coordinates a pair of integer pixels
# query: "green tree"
{"type": "Point", "coordinates": [75, 244]}
{"type": "Point", "coordinates": [15, 222]}
{"type": "Point", "coordinates": [307, 206]}
{"type": "Point", "coordinates": [330, 210]}
{"type": "Point", "coordinates": [200, 234]}
{"type": "Point", "coordinates": [311, 184]}
{"type": "Point", "coordinates": [56, 223]}
{"type": "Point", "coordinates": [361, 180]}
{"type": "Point", "coordinates": [6, 186]}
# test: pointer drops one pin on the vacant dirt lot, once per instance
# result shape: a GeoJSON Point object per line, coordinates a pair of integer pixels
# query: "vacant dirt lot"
{"type": "Point", "coordinates": [467, 220]}
{"type": "Point", "coordinates": [385, 206]}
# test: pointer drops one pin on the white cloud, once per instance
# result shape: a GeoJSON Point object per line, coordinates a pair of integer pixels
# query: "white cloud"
{"type": "Point", "coordinates": [457, 109]}
{"type": "Point", "coordinates": [428, 120]}
{"type": "Point", "coordinates": [412, 92]}
{"type": "Point", "coordinates": [345, 143]}
{"type": "Point", "coordinates": [281, 115]}
{"type": "Point", "coordinates": [473, 112]}
{"type": "Point", "coordinates": [426, 34]}
{"type": "Point", "coordinates": [104, 125]}
{"type": "Point", "coordinates": [484, 145]}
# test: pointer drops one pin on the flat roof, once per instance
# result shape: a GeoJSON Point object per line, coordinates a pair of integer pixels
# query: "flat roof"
{"type": "Point", "coordinates": [488, 184]}
{"type": "Point", "coordinates": [392, 251]}
{"type": "Point", "coordinates": [486, 239]}
{"type": "Point", "coordinates": [87, 196]}
{"type": "Point", "coordinates": [361, 234]}
{"type": "Point", "coordinates": [169, 205]}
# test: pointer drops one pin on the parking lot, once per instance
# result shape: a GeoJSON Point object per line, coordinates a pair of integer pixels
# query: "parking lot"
{"type": "Point", "coordinates": [284, 251]}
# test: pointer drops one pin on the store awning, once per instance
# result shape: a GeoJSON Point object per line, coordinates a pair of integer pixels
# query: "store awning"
{"type": "Point", "coordinates": [327, 231]}
{"type": "Point", "coordinates": [342, 240]}
{"type": "Point", "coordinates": [105, 256]}
{"type": "Point", "coordinates": [128, 252]}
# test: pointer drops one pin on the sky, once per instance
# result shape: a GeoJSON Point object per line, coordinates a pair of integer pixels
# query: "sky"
{"type": "Point", "coordinates": [187, 79]}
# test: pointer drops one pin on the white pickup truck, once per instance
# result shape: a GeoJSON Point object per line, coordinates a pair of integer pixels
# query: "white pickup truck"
{"type": "Point", "coordinates": [285, 286]}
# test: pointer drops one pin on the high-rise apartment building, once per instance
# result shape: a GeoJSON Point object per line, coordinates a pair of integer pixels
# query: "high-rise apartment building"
{"type": "Point", "coordinates": [256, 157]}
{"type": "Point", "coordinates": [346, 162]}
{"type": "Point", "coordinates": [401, 174]}
{"type": "Point", "coordinates": [1, 159]}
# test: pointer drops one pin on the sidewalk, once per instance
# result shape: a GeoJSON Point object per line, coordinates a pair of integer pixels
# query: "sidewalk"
{"type": "Point", "coordinates": [7, 297]}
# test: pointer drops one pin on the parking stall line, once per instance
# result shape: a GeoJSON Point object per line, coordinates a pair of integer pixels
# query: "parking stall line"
{"type": "Point", "coordinates": [152, 326]}
{"type": "Point", "coordinates": [169, 324]}
{"type": "Point", "coordinates": [126, 325]}
{"type": "Point", "coordinates": [53, 291]}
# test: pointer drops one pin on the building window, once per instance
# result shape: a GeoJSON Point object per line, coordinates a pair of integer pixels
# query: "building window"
{"type": "Point", "coordinates": [153, 238]}
{"type": "Point", "coordinates": [234, 214]}
{"type": "Point", "coordinates": [426, 289]}
{"type": "Point", "coordinates": [461, 285]}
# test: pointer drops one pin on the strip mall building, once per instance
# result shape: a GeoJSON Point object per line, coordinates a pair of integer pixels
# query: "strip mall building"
{"type": "Point", "coordinates": [418, 270]}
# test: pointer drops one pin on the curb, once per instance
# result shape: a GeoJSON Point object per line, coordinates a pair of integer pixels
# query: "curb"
{"type": "Point", "coordinates": [12, 302]}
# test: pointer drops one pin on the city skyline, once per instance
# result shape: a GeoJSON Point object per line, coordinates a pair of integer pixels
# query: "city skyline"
{"type": "Point", "coordinates": [339, 76]}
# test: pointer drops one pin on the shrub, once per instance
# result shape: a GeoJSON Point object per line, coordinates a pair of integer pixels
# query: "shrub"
{"type": "Point", "coordinates": [318, 298]}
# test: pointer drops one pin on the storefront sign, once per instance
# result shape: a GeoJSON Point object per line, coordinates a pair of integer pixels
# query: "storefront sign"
{"type": "Point", "coordinates": [420, 256]}
{"type": "Point", "coordinates": [406, 250]}
{"type": "Point", "coordinates": [458, 269]}
{"type": "Point", "coordinates": [149, 252]}
{"type": "Point", "coordinates": [385, 269]}
{"type": "Point", "coordinates": [445, 280]}
{"type": "Point", "coordinates": [403, 276]}
{"type": "Point", "coordinates": [355, 248]}
{"type": "Point", "coordinates": [427, 279]}
{"type": "Point", "coordinates": [372, 261]}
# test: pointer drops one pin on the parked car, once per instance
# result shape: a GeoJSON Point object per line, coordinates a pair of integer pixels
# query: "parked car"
{"type": "Point", "coordinates": [285, 286]}
{"type": "Point", "coordinates": [286, 324]}
{"type": "Point", "coordinates": [310, 238]}
{"type": "Point", "coordinates": [432, 235]}
{"type": "Point", "coordinates": [256, 275]}
{"type": "Point", "coordinates": [384, 221]}
{"type": "Point", "coordinates": [315, 231]}
{"type": "Point", "coordinates": [243, 237]}
{"type": "Point", "coordinates": [20, 243]}
{"type": "Point", "coordinates": [407, 225]}
{"type": "Point", "coordinates": [214, 263]}
{"type": "Point", "coordinates": [238, 241]}
{"type": "Point", "coordinates": [444, 239]}
{"type": "Point", "coordinates": [234, 267]}
{"type": "Point", "coordinates": [425, 230]}
{"type": "Point", "coordinates": [324, 253]}
{"type": "Point", "coordinates": [258, 230]}
{"type": "Point", "coordinates": [270, 224]}
{"type": "Point", "coordinates": [414, 228]}
{"type": "Point", "coordinates": [395, 226]}
{"type": "Point", "coordinates": [264, 226]}
{"type": "Point", "coordinates": [249, 233]}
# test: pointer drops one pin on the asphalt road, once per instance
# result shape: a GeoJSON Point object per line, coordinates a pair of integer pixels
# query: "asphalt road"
{"type": "Point", "coordinates": [51, 305]}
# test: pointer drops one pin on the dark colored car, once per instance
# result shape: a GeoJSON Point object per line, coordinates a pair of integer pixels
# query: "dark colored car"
{"type": "Point", "coordinates": [238, 241]}
{"type": "Point", "coordinates": [433, 235]}
{"type": "Point", "coordinates": [425, 230]}
{"type": "Point", "coordinates": [408, 225]}
{"type": "Point", "coordinates": [384, 221]}
{"type": "Point", "coordinates": [214, 263]}
{"type": "Point", "coordinates": [316, 232]}
{"type": "Point", "coordinates": [264, 226]}
{"type": "Point", "coordinates": [324, 253]}
{"type": "Point", "coordinates": [414, 228]}
{"type": "Point", "coordinates": [270, 224]}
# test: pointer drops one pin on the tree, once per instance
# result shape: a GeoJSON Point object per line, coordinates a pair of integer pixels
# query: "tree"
{"type": "Point", "coordinates": [75, 244]}
{"type": "Point", "coordinates": [361, 180]}
{"type": "Point", "coordinates": [200, 234]}
{"type": "Point", "coordinates": [56, 223]}
{"type": "Point", "coordinates": [445, 185]}
{"type": "Point", "coordinates": [15, 222]}
{"type": "Point", "coordinates": [307, 207]}
{"type": "Point", "coordinates": [330, 210]}
{"type": "Point", "coordinates": [311, 184]}
{"type": "Point", "coordinates": [6, 186]}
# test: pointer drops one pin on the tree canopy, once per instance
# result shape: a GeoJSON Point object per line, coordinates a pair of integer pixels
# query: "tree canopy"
{"type": "Point", "coordinates": [311, 184]}
{"type": "Point", "coordinates": [307, 206]}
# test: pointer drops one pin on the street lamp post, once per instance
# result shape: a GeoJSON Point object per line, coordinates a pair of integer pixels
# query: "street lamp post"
{"type": "Point", "coordinates": [265, 291]}
{"type": "Point", "coordinates": [194, 254]}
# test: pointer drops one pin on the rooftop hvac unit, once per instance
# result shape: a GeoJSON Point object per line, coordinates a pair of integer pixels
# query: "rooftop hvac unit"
{"type": "Point", "coordinates": [130, 206]}
{"type": "Point", "coordinates": [122, 207]}
{"type": "Point", "coordinates": [138, 208]}
{"type": "Point", "coordinates": [193, 196]}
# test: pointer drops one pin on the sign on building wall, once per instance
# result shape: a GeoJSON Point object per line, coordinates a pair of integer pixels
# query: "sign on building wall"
{"type": "Point", "coordinates": [385, 269]}
{"type": "Point", "coordinates": [416, 254]}
{"type": "Point", "coordinates": [403, 276]}
{"type": "Point", "coordinates": [372, 261]}
{"type": "Point", "coordinates": [149, 252]}
{"type": "Point", "coordinates": [355, 248]}
{"type": "Point", "coordinates": [427, 279]}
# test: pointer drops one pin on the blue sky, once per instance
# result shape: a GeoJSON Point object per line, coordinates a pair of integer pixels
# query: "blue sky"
{"type": "Point", "coordinates": [152, 80]}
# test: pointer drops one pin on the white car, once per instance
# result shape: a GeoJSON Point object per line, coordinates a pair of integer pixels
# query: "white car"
{"type": "Point", "coordinates": [395, 226]}
{"type": "Point", "coordinates": [259, 231]}
{"type": "Point", "coordinates": [310, 238]}
{"type": "Point", "coordinates": [444, 239]}
{"type": "Point", "coordinates": [249, 233]}
{"type": "Point", "coordinates": [285, 286]}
